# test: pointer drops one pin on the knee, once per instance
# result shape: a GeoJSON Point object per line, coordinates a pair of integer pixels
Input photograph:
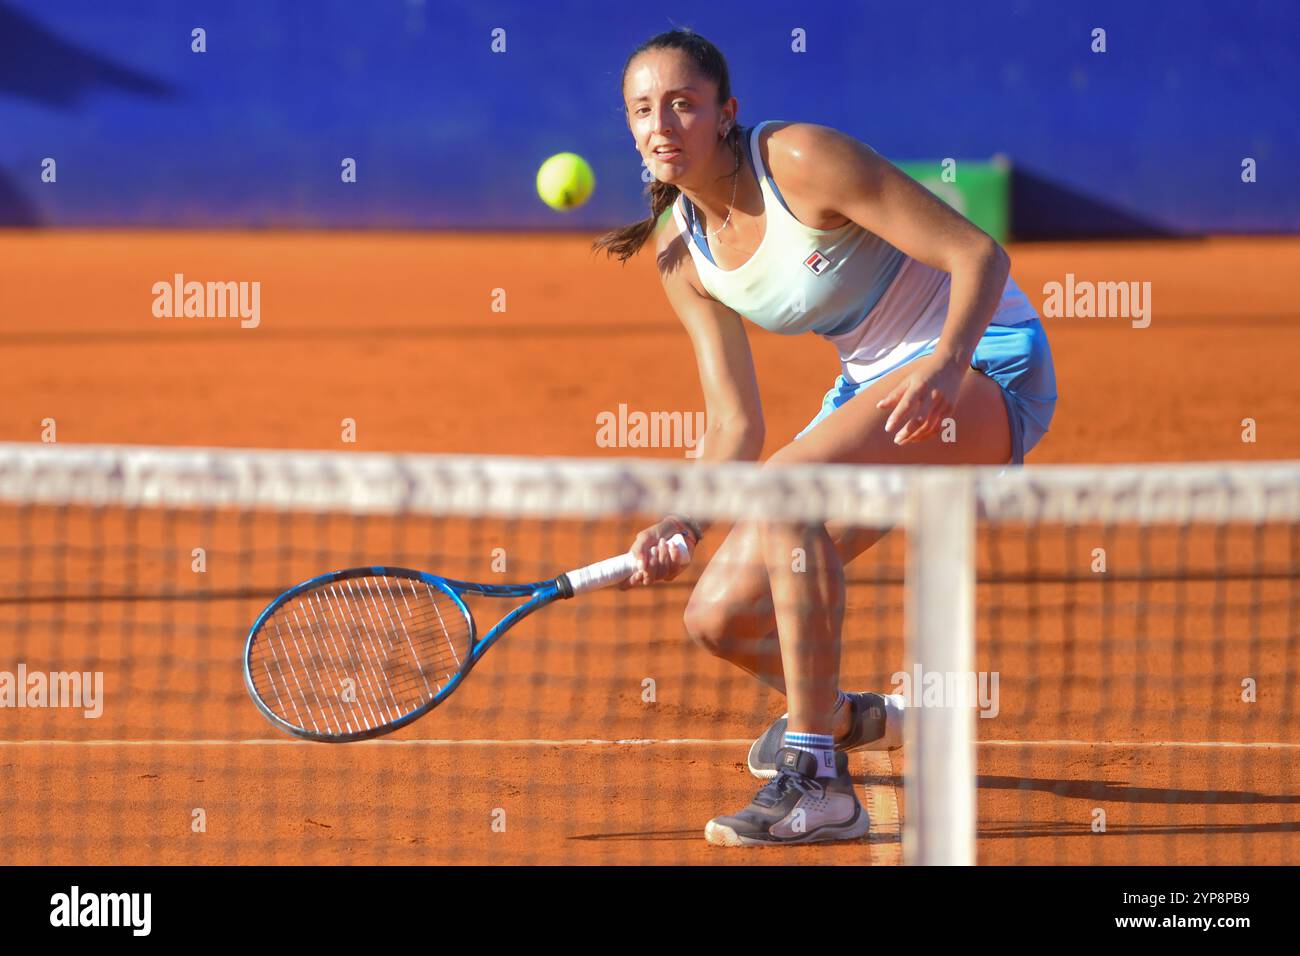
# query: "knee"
{"type": "Point", "coordinates": [711, 625]}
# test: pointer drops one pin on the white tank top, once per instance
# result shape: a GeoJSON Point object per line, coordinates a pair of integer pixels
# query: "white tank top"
{"type": "Point", "coordinates": [877, 305]}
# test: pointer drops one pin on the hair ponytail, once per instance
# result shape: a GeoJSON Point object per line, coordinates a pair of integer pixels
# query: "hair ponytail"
{"type": "Point", "coordinates": [626, 241]}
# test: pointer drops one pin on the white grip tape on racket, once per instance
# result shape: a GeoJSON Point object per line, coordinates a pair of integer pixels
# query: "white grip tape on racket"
{"type": "Point", "coordinates": [618, 569]}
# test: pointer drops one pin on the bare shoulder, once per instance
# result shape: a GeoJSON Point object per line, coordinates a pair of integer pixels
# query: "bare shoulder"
{"type": "Point", "coordinates": [672, 257]}
{"type": "Point", "coordinates": [795, 147]}
{"type": "Point", "coordinates": [810, 164]}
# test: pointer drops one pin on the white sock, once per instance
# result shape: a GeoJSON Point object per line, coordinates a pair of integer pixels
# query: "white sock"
{"type": "Point", "coordinates": [821, 746]}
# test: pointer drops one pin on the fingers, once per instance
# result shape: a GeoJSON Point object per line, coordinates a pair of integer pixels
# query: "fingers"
{"type": "Point", "coordinates": [640, 550]}
{"type": "Point", "coordinates": [910, 404]}
{"type": "Point", "coordinates": [934, 421]}
{"type": "Point", "coordinates": [906, 413]}
{"type": "Point", "coordinates": [663, 562]}
{"type": "Point", "coordinates": [919, 428]}
{"type": "Point", "coordinates": [657, 560]}
{"type": "Point", "coordinates": [920, 415]}
{"type": "Point", "coordinates": [892, 398]}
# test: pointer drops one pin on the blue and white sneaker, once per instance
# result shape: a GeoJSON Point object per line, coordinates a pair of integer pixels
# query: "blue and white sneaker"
{"type": "Point", "coordinates": [796, 807]}
{"type": "Point", "coordinates": [877, 725]}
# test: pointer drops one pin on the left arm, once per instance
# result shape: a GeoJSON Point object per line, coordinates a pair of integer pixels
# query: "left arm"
{"type": "Point", "coordinates": [846, 178]}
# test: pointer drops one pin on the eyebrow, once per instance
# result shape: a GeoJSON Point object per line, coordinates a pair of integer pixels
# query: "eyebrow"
{"type": "Point", "coordinates": [680, 89]}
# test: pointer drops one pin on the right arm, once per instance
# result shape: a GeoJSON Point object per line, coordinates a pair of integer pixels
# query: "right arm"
{"type": "Point", "coordinates": [734, 412]}
{"type": "Point", "coordinates": [733, 409]}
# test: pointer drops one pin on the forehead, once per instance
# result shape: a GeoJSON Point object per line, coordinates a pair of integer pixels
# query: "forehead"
{"type": "Point", "coordinates": [655, 72]}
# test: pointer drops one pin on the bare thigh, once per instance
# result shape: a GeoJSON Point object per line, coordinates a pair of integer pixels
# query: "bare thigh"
{"type": "Point", "coordinates": [733, 594]}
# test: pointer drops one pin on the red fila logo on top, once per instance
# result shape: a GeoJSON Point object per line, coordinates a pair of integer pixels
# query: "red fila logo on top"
{"type": "Point", "coordinates": [817, 262]}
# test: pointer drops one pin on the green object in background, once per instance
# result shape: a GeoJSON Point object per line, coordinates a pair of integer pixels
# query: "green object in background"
{"type": "Point", "coordinates": [980, 191]}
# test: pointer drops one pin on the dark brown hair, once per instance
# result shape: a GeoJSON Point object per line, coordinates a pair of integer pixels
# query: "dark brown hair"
{"type": "Point", "coordinates": [626, 241]}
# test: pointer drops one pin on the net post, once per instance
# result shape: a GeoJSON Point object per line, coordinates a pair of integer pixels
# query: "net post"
{"type": "Point", "coordinates": [939, 783]}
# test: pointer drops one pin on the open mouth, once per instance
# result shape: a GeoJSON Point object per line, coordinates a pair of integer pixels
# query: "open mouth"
{"type": "Point", "coordinates": [667, 152]}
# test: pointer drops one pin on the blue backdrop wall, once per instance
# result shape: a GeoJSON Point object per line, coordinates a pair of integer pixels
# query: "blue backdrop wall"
{"type": "Point", "coordinates": [1146, 138]}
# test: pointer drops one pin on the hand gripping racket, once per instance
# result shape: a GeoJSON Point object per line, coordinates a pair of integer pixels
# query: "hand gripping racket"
{"type": "Point", "coordinates": [355, 654]}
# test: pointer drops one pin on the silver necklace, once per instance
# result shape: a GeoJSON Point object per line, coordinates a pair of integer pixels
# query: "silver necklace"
{"type": "Point", "coordinates": [735, 177]}
{"type": "Point", "coordinates": [730, 207]}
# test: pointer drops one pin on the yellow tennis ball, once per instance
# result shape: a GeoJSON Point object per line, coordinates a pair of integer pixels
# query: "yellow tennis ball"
{"type": "Point", "coordinates": [565, 181]}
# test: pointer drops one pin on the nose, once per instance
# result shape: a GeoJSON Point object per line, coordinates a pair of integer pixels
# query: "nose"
{"type": "Point", "coordinates": [657, 118]}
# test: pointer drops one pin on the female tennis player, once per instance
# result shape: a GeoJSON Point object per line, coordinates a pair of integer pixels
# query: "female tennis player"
{"type": "Point", "coordinates": [801, 228]}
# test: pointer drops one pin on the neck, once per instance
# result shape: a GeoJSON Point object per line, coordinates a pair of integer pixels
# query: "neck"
{"type": "Point", "coordinates": [714, 196]}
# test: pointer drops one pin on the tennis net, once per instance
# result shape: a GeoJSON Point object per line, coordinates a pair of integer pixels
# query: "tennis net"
{"type": "Point", "coordinates": [1100, 661]}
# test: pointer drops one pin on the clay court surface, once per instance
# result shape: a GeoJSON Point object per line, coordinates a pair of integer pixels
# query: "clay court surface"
{"type": "Point", "coordinates": [1123, 697]}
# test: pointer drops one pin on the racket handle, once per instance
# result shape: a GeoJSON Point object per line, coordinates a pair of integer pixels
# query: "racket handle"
{"type": "Point", "coordinates": [618, 569]}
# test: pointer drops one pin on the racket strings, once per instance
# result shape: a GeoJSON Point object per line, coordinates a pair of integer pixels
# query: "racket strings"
{"type": "Point", "coordinates": [358, 654]}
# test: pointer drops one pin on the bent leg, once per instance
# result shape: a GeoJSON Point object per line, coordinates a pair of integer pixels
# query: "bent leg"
{"type": "Point", "coordinates": [855, 433]}
{"type": "Point", "coordinates": [731, 610]}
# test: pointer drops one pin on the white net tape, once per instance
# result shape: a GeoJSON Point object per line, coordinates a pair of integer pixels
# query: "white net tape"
{"type": "Point", "coordinates": [372, 483]}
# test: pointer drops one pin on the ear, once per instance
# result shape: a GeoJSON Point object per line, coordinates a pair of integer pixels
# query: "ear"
{"type": "Point", "coordinates": [730, 110]}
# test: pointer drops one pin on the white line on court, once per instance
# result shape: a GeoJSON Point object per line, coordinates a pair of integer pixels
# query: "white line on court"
{"type": "Point", "coordinates": [885, 838]}
{"type": "Point", "coordinates": [383, 742]}
{"type": "Point", "coordinates": [630, 742]}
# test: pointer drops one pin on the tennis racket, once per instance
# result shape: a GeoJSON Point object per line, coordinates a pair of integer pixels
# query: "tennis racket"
{"type": "Point", "coordinates": [355, 654]}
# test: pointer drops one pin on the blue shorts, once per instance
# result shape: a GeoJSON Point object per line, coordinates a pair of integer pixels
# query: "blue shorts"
{"type": "Point", "coordinates": [1017, 358]}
